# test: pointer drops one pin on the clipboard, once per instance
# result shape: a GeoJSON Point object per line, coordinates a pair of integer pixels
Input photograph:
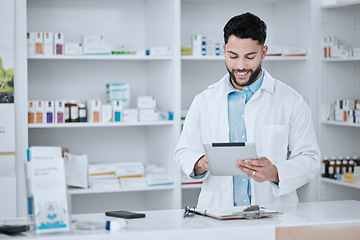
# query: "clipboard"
{"type": "Point", "coordinates": [223, 156]}
{"type": "Point", "coordinates": [252, 212]}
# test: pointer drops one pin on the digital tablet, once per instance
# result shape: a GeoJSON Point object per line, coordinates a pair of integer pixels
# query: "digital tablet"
{"type": "Point", "coordinates": [223, 156]}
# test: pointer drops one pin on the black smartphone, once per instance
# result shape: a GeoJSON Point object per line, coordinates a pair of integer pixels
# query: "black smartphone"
{"type": "Point", "coordinates": [13, 229]}
{"type": "Point", "coordinates": [124, 214]}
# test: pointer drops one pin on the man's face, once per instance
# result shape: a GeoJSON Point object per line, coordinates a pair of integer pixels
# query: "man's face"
{"type": "Point", "coordinates": [243, 58]}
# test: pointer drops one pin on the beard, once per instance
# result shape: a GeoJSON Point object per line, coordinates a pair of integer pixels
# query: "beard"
{"type": "Point", "coordinates": [252, 78]}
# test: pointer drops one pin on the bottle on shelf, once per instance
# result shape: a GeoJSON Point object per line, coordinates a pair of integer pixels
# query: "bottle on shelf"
{"type": "Point", "coordinates": [82, 112]}
{"type": "Point", "coordinates": [325, 167]}
{"type": "Point", "coordinates": [332, 168]}
{"type": "Point", "coordinates": [338, 169]}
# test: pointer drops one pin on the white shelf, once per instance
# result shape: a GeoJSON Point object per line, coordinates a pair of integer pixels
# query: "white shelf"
{"type": "Point", "coordinates": [118, 190]}
{"type": "Point", "coordinates": [336, 123]}
{"type": "Point", "coordinates": [221, 58]}
{"type": "Point", "coordinates": [332, 181]}
{"type": "Point", "coordinates": [340, 5]}
{"type": "Point", "coordinates": [91, 125]}
{"type": "Point", "coordinates": [191, 186]}
{"type": "Point", "coordinates": [100, 57]}
{"type": "Point", "coordinates": [352, 59]}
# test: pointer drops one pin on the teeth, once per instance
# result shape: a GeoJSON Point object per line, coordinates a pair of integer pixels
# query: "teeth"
{"type": "Point", "coordinates": [242, 73]}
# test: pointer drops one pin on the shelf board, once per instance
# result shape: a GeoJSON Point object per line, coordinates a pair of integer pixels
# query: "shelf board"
{"type": "Point", "coordinates": [112, 124]}
{"type": "Point", "coordinates": [191, 186]}
{"type": "Point", "coordinates": [340, 5]}
{"type": "Point", "coordinates": [221, 58]}
{"type": "Point", "coordinates": [335, 182]}
{"type": "Point", "coordinates": [352, 59]}
{"type": "Point", "coordinates": [337, 123]}
{"type": "Point", "coordinates": [74, 191]}
{"type": "Point", "coordinates": [100, 57]}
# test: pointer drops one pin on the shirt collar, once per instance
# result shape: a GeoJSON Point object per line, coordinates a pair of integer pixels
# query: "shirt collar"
{"type": "Point", "coordinates": [253, 87]}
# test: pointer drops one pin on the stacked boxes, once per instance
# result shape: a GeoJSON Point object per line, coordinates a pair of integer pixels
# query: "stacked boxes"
{"type": "Point", "coordinates": [203, 46]}
{"type": "Point", "coordinates": [119, 92]}
{"type": "Point", "coordinates": [347, 111]}
{"type": "Point", "coordinates": [95, 45]}
{"type": "Point", "coordinates": [147, 109]}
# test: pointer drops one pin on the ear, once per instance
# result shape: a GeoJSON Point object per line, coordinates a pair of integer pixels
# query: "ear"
{"type": "Point", "coordinates": [264, 51]}
{"type": "Point", "coordinates": [224, 48]}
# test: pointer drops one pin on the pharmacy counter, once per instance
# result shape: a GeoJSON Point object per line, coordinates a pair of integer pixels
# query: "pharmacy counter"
{"type": "Point", "coordinates": [328, 220]}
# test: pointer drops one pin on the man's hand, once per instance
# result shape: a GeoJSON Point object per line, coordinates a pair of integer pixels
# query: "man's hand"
{"type": "Point", "coordinates": [260, 169]}
{"type": "Point", "coordinates": [201, 166]}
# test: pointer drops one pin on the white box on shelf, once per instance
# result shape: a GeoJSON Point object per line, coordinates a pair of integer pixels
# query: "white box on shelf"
{"type": "Point", "coordinates": [102, 169]}
{"type": "Point", "coordinates": [39, 42]}
{"type": "Point", "coordinates": [159, 179]}
{"type": "Point", "coordinates": [30, 43]}
{"type": "Point", "coordinates": [117, 107]}
{"type": "Point", "coordinates": [106, 113]}
{"type": "Point", "coordinates": [59, 43]}
{"type": "Point", "coordinates": [40, 111]}
{"type": "Point", "coordinates": [59, 111]}
{"type": "Point", "coordinates": [145, 102]}
{"type": "Point", "coordinates": [118, 91]}
{"type": "Point", "coordinates": [76, 166]}
{"type": "Point", "coordinates": [148, 115]}
{"type": "Point", "coordinates": [130, 169]}
{"type": "Point", "coordinates": [166, 115]}
{"type": "Point", "coordinates": [93, 39]}
{"type": "Point", "coordinates": [96, 49]}
{"type": "Point", "coordinates": [93, 110]}
{"type": "Point", "coordinates": [130, 115]}
{"type": "Point", "coordinates": [103, 183]}
{"type": "Point", "coordinates": [48, 43]}
{"type": "Point", "coordinates": [49, 112]}
{"type": "Point", "coordinates": [31, 111]}
{"type": "Point", "coordinates": [133, 182]}
{"type": "Point", "coordinates": [73, 48]}
{"type": "Point", "coordinates": [196, 42]}
{"type": "Point", "coordinates": [160, 51]}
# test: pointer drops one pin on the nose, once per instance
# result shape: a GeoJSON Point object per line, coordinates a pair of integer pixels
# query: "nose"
{"type": "Point", "coordinates": [241, 63]}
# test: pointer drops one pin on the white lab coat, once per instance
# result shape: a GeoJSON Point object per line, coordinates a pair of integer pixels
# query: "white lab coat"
{"type": "Point", "coordinates": [277, 119]}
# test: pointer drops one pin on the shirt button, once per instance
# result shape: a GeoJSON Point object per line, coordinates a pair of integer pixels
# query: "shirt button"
{"type": "Point", "coordinates": [245, 88]}
{"type": "Point", "coordinates": [244, 180]}
{"type": "Point", "coordinates": [243, 136]}
{"type": "Point", "coordinates": [243, 116]}
{"type": "Point", "coordinates": [245, 200]}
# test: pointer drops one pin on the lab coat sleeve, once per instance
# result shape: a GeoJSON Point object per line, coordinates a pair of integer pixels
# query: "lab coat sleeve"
{"type": "Point", "coordinates": [189, 148]}
{"type": "Point", "coordinates": [303, 163]}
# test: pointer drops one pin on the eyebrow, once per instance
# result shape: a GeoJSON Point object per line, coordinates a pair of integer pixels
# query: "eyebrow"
{"type": "Point", "coordinates": [247, 54]}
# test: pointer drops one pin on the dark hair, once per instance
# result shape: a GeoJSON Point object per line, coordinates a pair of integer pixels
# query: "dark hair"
{"type": "Point", "coordinates": [246, 25]}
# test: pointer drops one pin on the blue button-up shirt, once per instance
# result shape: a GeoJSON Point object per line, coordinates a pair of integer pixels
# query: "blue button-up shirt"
{"type": "Point", "coordinates": [237, 133]}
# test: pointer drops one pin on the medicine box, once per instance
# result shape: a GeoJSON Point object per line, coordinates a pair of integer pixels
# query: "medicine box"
{"type": "Point", "coordinates": [118, 91]}
{"type": "Point", "coordinates": [31, 112]}
{"type": "Point", "coordinates": [144, 102]}
{"type": "Point", "coordinates": [31, 44]}
{"type": "Point", "coordinates": [39, 41]}
{"type": "Point", "coordinates": [133, 182]}
{"type": "Point", "coordinates": [159, 179]}
{"type": "Point", "coordinates": [130, 169]}
{"type": "Point", "coordinates": [102, 169]}
{"type": "Point", "coordinates": [94, 110]}
{"type": "Point", "coordinates": [203, 46]}
{"type": "Point", "coordinates": [96, 49]}
{"type": "Point", "coordinates": [59, 111]}
{"type": "Point", "coordinates": [49, 111]}
{"type": "Point", "coordinates": [116, 110]}
{"type": "Point", "coordinates": [39, 110]}
{"type": "Point", "coordinates": [196, 44]}
{"type": "Point", "coordinates": [160, 51]}
{"type": "Point", "coordinates": [130, 115]}
{"type": "Point", "coordinates": [106, 113]}
{"type": "Point", "coordinates": [166, 115]}
{"type": "Point", "coordinates": [148, 115]}
{"type": "Point", "coordinates": [73, 48]}
{"type": "Point", "coordinates": [48, 43]}
{"type": "Point", "coordinates": [59, 43]}
{"type": "Point", "coordinates": [93, 39]}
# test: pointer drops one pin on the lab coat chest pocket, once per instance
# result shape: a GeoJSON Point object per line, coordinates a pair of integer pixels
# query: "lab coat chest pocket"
{"type": "Point", "coordinates": [274, 142]}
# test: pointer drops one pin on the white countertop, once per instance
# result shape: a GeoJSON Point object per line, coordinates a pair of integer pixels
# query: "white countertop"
{"type": "Point", "coordinates": [170, 224]}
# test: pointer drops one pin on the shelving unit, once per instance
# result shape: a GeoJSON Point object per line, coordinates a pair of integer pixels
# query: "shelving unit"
{"type": "Point", "coordinates": [118, 190]}
{"type": "Point", "coordinates": [339, 80]}
{"type": "Point", "coordinates": [92, 125]}
{"type": "Point", "coordinates": [173, 80]}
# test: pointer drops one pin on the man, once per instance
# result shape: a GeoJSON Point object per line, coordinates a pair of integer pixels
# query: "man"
{"type": "Point", "coordinates": [248, 105]}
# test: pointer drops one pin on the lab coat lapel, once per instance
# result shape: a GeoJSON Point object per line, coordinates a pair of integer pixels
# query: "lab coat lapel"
{"type": "Point", "coordinates": [218, 110]}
